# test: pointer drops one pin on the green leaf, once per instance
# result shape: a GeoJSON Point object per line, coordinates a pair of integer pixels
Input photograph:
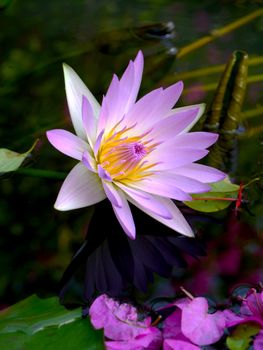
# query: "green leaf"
{"type": "Point", "coordinates": [11, 161]}
{"type": "Point", "coordinates": [222, 194]}
{"type": "Point", "coordinates": [241, 337]}
{"type": "Point", "coordinates": [36, 323]}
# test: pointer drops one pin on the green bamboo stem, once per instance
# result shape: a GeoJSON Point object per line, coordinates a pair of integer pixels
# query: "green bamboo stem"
{"type": "Point", "coordinates": [207, 71]}
{"type": "Point", "coordinates": [212, 86]}
{"type": "Point", "coordinates": [251, 113]}
{"type": "Point", "coordinates": [217, 33]}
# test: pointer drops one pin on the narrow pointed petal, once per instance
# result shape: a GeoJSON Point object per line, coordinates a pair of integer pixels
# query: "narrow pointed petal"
{"type": "Point", "coordinates": [199, 108]}
{"type": "Point", "coordinates": [112, 194]}
{"type": "Point", "coordinates": [67, 143]}
{"type": "Point", "coordinates": [109, 107]}
{"type": "Point", "coordinates": [89, 161]}
{"type": "Point", "coordinates": [177, 223]}
{"type": "Point", "coordinates": [81, 188]}
{"type": "Point", "coordinates": [175, 124]}
{"type": "Point", "coordinates": [148, 201]}
{"type": "Point", "coordinates": [167, 158]}
{"type": "Point", "coordinates": [154, 106]}
{"type": "Point", "coordinates": [89, 122]}
{"type": "Point", "coordinates": [134, 82]}
{"type": "Point", "coordinates": [200, 140]}
{"type": "Point", "coordinates": [160, 187]}
{"type": "Point", "coordinates": [121, 94]}
{"type": "Point", "coordinates": [124, 216]}
{"type": "Point", "coordinates": [201, 172]}
{"type": "Point", "coordinates": [75, 89]}
{"type": "Point", "coordinates": [98, 142]}
{"type": "Point", "coordinates": [183, 183]}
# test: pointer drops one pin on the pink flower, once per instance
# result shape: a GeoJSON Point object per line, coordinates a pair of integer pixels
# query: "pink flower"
{"type": "Point", "coordinates": [251, 311]}
{"type": "Point", "coordinates": [138, 152]}
{"type": "Point", "coordinates": [121, 326]}
{"type": "Point", "coordinates": [192, 325]}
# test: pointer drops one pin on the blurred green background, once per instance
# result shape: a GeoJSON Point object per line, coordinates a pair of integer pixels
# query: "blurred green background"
{"type": "Point", "coordinates": [98, 38]}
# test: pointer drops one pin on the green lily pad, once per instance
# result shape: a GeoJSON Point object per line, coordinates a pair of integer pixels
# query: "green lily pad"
{"type": "Point", "coordinates": [241, 337]}
{"type": "Point", "coordinates": [221, 195]}
{"type": "Point", "coordinates": [40, 324]}
{"type": "Point", "coordinates": [11, 161]}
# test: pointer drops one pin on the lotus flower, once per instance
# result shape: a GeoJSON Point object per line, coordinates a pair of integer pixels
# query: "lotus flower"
{"type": "Point", "coordinates": [138, 152]}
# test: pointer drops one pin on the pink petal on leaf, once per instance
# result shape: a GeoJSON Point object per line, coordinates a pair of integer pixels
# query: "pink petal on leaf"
{"type": "Point", "coordinates": [199, 326]}
{"type": "Point", "coordinates": [175, 344]}
{"type": "Point", "coordinates": [81, 188]}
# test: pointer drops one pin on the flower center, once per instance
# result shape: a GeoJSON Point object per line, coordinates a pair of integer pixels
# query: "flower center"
{"type": "Point", "coordinates": [122, 157]}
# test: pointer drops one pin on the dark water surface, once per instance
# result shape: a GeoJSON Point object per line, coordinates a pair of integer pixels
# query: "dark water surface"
{"type": "Point", "coordinates": [98, 38]}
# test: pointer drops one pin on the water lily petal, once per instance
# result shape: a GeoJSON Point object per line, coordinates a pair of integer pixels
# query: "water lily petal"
{"type": "Point", "coordinates": [81, 188]}
{"type": "Point", "coordinates": [153, 106]}
{"type": "Point", "coordinates": [75, 89]}
{"type": "Point", "coordinates": [174, 124]}
{"type": "Point", "coordinates": [89, 122]}
{"type": "Point", "coordinates": [148, 201]}
{"type": "Point", "coordinates": [130, 82]}
{"type": "Point", "coordinates": [109, 106]}
{"type": "Point", "coordinates": [67, 143]}
{"type": "Point", "coordinates": [159, 187]}
{"type": "Point", "coordinates": [200, 108]}
{"type": "Point", "coordinates": [177, 223]}
{"type": "Point", "coordinates": [200, 140]}
{"type": "Point", "coordinates": [89, 161]}
{"type": "Point", "coordinates": [184, 183]}
{"type": "Point", "coordinates": [166, 158]}
{"type": "Point", "coordinates": [112, 194]}
{"type": "Point", "coordinates": [201, 172]}
{"type": "Point", "coordinates": [124, 215]}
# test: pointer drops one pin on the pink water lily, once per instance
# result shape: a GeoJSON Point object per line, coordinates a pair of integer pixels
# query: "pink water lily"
{"type": "Point", "coordinates": [138, 152]}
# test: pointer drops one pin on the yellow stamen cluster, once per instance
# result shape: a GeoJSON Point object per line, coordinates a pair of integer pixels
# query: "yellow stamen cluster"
{"type": "Point", "coordinates": [123, 156]}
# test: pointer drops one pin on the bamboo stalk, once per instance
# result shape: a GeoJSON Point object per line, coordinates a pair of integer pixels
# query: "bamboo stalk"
{"type": "Point", "coordinates": [207, 71]}
{"type": "Point", "coordinates": [212, 86]}
{"type": "Point", "coordinates": [217, 33]}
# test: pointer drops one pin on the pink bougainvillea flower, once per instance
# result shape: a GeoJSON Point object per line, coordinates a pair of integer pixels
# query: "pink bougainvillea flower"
{"type": "Point", "coordinates": [121, 326]}
{"type": "Point", "coordinates": [138, 152]}
{"type": "Point", "coordinates": [191, 326]}
{"type": "Point", "coordinates": [199, 326]}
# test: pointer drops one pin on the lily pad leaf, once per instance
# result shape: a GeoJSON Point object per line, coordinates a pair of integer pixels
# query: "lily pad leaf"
{"type": "Point", "coordinates": [36, 323]}
{"type": "Point", "coordinates": [241, 337]}
{"type": "Point", "coordinates": [11, 161]}
{"type": "Point", "coordinates": [221, 195]}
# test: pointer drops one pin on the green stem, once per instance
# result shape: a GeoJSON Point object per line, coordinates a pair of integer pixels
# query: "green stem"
{"type": "Point", "coordinates": [48, 174]}
{"type": "Point", "coordinates": [216, 33]}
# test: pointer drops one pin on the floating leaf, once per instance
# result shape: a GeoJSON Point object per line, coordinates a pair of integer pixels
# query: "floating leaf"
{"type": "Point", "coordinates": [42, 323]}
{"type": "Point", "coordinates": [11, 161]}
{"type": "Point", "coordinates": [222, 194]}
{"type": "Point", "coordinates": [241, 337]}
